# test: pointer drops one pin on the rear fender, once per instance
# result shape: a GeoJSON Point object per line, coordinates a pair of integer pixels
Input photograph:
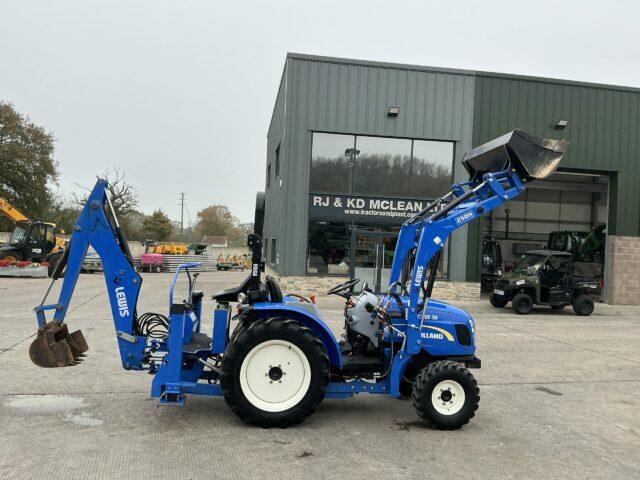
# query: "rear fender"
{"type": "Point", "coordinates": [271, 310]}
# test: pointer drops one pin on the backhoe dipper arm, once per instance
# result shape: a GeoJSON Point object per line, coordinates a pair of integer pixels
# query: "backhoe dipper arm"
{"type": "Point", "coordinates": [95, 228]}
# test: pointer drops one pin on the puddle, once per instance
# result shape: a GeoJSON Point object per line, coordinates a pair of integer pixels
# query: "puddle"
{"type": "Point", "coordinates": [70, 407]}
{"type": "Point", "coordinates": [46, 403]}
{"type": "Point", "coordinates": [84, 420]}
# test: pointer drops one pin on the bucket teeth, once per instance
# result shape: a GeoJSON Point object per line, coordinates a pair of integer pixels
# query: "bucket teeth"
{"type": "Point", "coordinates": [54, 346]}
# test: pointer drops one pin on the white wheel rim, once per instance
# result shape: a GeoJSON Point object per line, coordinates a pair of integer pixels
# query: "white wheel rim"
{"type": "Point", "coordinates": [448, 397]}
{"type": "Point", "coordinates": [275, 376]}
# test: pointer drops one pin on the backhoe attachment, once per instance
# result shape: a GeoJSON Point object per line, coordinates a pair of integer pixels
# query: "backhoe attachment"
{"type": "Point", "coordinates": [98, 227]}
{"type": "Point", "coordinates": [54, 346]}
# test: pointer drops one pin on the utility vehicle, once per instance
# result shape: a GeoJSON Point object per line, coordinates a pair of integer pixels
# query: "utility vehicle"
{"type": "Point", "coordinates": [545, 277]}
{"type": "Point", "coordinates": [276, 359]}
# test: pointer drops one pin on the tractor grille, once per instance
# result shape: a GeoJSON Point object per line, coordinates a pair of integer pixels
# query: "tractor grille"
{"type": "Point", "coordinates": [463, 334]}
{"type": "Point", "coordinates": [502, 284]}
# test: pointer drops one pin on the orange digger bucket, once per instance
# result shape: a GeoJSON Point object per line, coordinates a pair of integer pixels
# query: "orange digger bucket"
{"type": "Point", "coordinates": [56, 347]}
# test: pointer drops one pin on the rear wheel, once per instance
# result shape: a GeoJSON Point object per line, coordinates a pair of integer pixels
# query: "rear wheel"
{"type": "Point", "coordinates": [498, 301]}
{"type": "Point", "coordinates": [274, 373]}
{"type": "Point", "coordinates": [445, 395]}
{"type": "Point", "coordinates": [522, 303]}
{"type": "Point", "coordinates": [583, 305]}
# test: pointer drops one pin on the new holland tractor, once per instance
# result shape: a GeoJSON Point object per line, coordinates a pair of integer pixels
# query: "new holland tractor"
{"type": "Point", "coordinates": [276, 359]}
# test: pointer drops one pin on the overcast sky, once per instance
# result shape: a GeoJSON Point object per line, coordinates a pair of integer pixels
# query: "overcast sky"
{"type": "Point", "coordinates": [179, 94]}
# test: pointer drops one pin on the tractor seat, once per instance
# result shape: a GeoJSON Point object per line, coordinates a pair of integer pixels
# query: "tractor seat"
{"type": "Point", "coordinates": [229, 295]}
{"type": "Point", "coordinates": [270, 290]}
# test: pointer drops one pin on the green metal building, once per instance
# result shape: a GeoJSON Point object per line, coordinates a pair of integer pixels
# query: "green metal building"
{"type": "Point", "coordinates": [356, 146]}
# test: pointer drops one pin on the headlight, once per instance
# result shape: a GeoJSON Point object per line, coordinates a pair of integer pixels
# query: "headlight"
{"type": "Point", "coordinates": [242, 298]}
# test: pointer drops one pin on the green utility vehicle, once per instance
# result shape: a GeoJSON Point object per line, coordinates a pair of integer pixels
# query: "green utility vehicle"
{"type": "Point", "coordinates": [548, 277]}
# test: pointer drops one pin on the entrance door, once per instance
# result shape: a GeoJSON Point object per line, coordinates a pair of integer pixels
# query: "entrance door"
{"type": "Point", "coordinates": [371, 258]}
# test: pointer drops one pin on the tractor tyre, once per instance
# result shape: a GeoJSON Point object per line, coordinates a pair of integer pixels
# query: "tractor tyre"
{"type": "Point", "coordinates": [445, 395]}
{"type": "Point", "coordinates": [522, 303]}
{"type": "Point", "coordinates": [274, 373]}
{"type": "Point", "coordinates": [498, 301]}
{"type": "Point", "coordinates": [12, 256]}
{"type": "Point", "coordinates": [583, 305]}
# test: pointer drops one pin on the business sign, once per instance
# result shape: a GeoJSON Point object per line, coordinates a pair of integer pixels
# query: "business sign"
{"type": "Point", "coordinates": [346, 207]}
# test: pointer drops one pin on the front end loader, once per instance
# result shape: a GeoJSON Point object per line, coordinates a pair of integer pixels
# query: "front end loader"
{"type": "Point", "coordinates": [276, 359]}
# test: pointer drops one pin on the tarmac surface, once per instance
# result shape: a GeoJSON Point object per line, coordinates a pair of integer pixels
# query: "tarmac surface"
{"type": "Point", "coordinates": [560, 399]}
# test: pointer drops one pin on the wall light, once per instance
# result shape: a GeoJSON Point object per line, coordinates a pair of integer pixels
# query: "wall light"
{"type": "Point", "coordinates": [393, 112]}
{"type": "Point", "coordinates": [561, 124]}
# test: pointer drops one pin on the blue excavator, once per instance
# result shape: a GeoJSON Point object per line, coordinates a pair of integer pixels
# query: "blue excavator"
{"type": "Point", "coordinates": [272, 357]}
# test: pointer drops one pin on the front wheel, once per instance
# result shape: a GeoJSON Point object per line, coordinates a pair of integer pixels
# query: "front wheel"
{"type": "Point", "coordinates": [11, 256]}
{"type": "Point", "coordinates": [522, 304]}
{"type": "Point", "coordinates": [445, 395]}
{"type": "Point", "coordinates": [274, 373]}
{"type": "Point", "coordinates": [583, 305]}
{"type": "Point", "coordinates": [498, 301]}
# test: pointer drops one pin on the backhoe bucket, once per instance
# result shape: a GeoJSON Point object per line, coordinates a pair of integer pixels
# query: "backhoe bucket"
{"type": "Point", "coordinates": [56, 347]}
{"type": "Point", "coordinates": [534, 158]}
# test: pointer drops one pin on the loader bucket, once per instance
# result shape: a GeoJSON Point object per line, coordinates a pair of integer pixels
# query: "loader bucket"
{"type": "Point", "coordinates": [54, 346]}
{"type": "Point", "coordinates": [534, 158]}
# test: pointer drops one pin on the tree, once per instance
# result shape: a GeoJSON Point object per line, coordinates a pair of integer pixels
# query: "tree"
{"type": "Point", "coordinates": [158, 226]}
{"type": "Point", "coordinates": [215, 220]}
{"type": "Point", "coordinates": [64, 213]}
{"type": "Point", "coordinates": [124, 197]}
{"type": "Point", "coordinates": [27, 166]}
{"type": "Point", "coordinates": [124, 200]}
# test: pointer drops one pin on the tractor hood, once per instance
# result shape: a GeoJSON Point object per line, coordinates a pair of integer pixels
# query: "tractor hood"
{"type": "Point", "coordinates": [534, 158]}
{"type": "Point", "coordinates": [438, 306]}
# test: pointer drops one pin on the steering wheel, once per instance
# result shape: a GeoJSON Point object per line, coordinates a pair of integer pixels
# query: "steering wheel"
{"type": "Point", "coordinates": [343, 287]}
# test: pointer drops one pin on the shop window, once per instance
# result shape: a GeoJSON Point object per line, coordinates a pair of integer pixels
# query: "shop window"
{"type": "Point", "coordinates": [330, 172]}
{"type": "Point", "coordinates": [329, 248]}
{"type": "Point", "coordinates": [382, 167]}
{"type": "Point", "coordinates": [431, 170]}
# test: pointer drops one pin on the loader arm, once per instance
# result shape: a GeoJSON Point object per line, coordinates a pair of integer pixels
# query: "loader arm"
{"type": "Point", "coordinates": [498, 173]}
{"type": "Point", "coordinates": [94, 227]}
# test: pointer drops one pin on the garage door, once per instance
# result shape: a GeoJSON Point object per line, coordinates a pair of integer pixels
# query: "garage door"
{"type": "Point", "coordinates": [565, 201]}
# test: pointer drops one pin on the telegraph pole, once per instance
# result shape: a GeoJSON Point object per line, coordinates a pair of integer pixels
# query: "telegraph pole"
{"type": "Point", "coordinates": [182, 214]}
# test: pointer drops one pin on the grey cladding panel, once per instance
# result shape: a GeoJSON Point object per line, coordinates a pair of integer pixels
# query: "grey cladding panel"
{"type": "Point", "coordinates": [339, 96]}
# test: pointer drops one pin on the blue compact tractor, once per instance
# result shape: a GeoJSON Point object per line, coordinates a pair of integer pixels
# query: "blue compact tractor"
{"type": "Point", "coordinates": [275, 360]}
